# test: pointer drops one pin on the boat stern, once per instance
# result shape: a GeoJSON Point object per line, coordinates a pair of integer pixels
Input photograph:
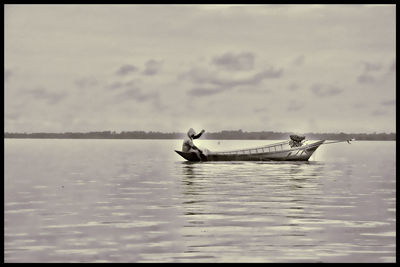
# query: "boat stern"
{"type": "Point", "coordinates": [191, 156]}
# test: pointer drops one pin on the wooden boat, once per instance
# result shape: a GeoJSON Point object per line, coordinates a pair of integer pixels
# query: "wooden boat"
{"type": "Point", "coordinates": [282, 151]}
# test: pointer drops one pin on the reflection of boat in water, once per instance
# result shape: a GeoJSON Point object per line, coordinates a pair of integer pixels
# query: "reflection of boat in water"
{"type": "Point", "coordinates": [294, 150]}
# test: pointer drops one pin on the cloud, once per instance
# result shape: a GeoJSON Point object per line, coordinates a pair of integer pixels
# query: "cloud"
{"type": "Point", "coordinates": [126, 69]}
{"type": "Point", "coordinates": [323, 90]}
{"type": "Point", "coordinates": [355, 46]}
{"type": "Point", "coordinates": [366, 78]}
{"type": "Point", "coordinates": [235, 62]}
{"type": "Point", "coordinates": [137, 95]}
{"type": "Point", "coordinates": [271, 73]}
{"type": "Point", "coordinates": [392, 67]}
{"type": "Point", "coordinates": [293, 87]}
{"type": "Point", "coordinates": [115, 85]}
{"type": "Point", "coordinates": [206, 91]}
{"type": "Point", "coordinates": [298, 61]}
{"type": "Point", "coordinates": [373, 72]}
{"type": "Point", "coordinates": [378, 113]}
{"type": "Point", "coordinates": [209, 82]}
{"type": "Point", "coordinates": [152, 67]}
{"type": "Point", "coordinates": [295, 106]}
{"type": "Point", "coordinates": [201, 76]}
{"type": "Point", "coordinates": [50, 97]}
{"type": "Point", "coordinates": [12, 116]}
{"type": "Point", "coordinates": [147, 96]}
{"type": "Point", "coordinates": [359, 105]}
{"type": "Point", "coordinates": [260, 110]}
{"type": "Point", "coordinates": [388, 103]}
{"type": "Point", "coordinates": [8, 74]}
{"type": "Point", "coordinates": [371, 67]}
{"type": "Point", "coordinates": [119, 84]}
{"type": "Point", "coordinates": [86, 82]}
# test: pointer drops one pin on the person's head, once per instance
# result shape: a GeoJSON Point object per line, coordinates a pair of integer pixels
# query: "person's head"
{"type": "Point", "coordinates": [191, 133]}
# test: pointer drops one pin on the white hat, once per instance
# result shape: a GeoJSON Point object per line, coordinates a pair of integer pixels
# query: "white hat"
{"type": "Point", "coordinates": [191, 133]}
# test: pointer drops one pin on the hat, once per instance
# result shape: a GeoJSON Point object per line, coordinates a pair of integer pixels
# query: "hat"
{"type": "Point", "coordinates": [191, 132]}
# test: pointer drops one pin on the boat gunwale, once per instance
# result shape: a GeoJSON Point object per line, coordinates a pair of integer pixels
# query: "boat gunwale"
{"type": "Point", "coordinates": [259, 147]}
{"type": "Point", "coordinates": [236, 152]}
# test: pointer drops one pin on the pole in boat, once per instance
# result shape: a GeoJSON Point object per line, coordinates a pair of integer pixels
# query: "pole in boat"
{"type": "Point", "coordinates": [348, 141]}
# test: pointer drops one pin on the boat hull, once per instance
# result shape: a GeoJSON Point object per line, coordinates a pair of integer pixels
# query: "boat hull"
{"type": "Point", "coordinates": [302, 153]}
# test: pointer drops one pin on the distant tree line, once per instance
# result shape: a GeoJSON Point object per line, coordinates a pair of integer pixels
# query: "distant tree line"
{"type": "Point", "coordinates": [222, 135]}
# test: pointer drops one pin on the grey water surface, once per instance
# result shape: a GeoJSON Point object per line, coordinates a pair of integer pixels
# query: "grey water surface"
{"type": "Point", "coordinates": [138, 201]}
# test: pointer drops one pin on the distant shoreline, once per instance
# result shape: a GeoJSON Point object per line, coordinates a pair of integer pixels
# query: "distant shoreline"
{"type": "Point", "coordinates": [223, 135]}
{"type": "Point", "coordinates": [58, 138]}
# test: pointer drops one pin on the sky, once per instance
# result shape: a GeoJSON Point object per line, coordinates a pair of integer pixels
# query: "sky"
{"type": "Point", "coordinates": [289, 68]}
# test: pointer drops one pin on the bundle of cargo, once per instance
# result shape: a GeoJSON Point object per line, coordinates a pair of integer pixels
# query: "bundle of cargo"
{"type": "Point", "coordinates": [296, 140]}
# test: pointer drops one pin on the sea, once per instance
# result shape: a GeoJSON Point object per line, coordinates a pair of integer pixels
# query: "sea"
{"type": "Point", "coordinates": [116, 200]}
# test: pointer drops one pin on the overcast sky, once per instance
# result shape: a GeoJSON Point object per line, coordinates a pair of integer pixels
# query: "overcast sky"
{"type": "Point", "coordinates": [301, 68]}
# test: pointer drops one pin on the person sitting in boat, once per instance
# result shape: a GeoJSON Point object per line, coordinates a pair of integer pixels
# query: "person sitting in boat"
{"type": "Point", "coordinates": [188, 145]}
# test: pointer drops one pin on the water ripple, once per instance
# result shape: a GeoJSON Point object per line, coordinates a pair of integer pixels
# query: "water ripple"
{"type": "Point", "coordinates": [97, 201]}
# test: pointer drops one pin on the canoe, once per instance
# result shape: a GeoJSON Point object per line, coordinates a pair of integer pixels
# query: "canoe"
{"type": "Point", "coordinates": [283, 151]}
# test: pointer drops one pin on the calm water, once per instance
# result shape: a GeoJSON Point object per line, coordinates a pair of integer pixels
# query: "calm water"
{"type": "Point", "coordinates": [138, 201]}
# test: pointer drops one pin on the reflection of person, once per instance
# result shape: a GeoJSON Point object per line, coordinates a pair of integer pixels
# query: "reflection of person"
{"type": "Point", "coordinates": [188, 145]}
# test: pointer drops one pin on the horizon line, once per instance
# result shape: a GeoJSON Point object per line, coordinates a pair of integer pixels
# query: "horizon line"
{"type": "Point", "coordinates": [169, 132]}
